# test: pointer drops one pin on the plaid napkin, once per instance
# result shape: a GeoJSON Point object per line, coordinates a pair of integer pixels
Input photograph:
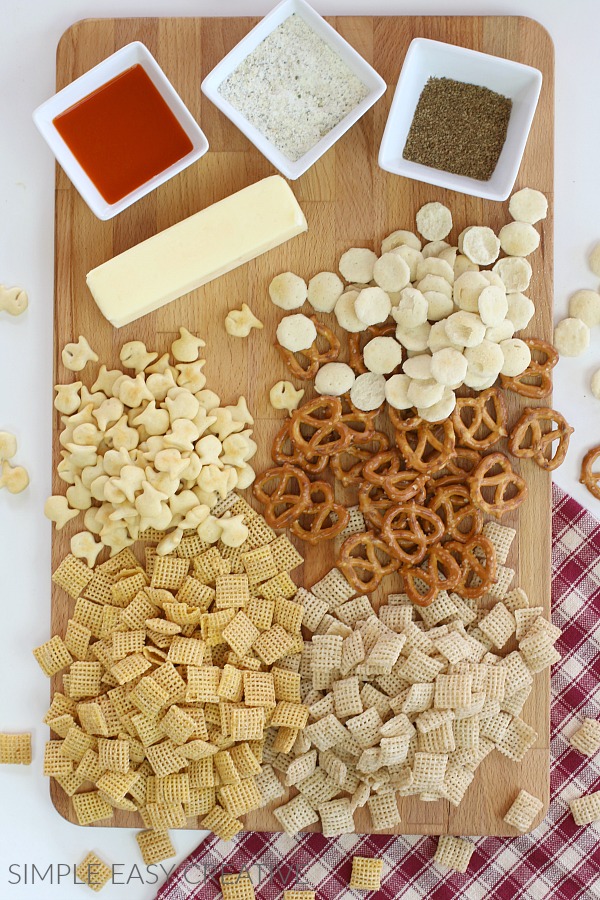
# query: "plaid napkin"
{"type": "Point", "coordinates": [557, 860]}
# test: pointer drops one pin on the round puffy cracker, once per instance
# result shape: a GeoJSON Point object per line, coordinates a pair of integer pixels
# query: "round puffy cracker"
{"type": "Point", "coordinates": [515, 272]}
{"type": "Point", "coordinates": [595, 384]}
{"type": "Point", "coordinates": [479, 384]}
{"type": "Point", "coordinates": [585, 305]}
{"type": "Point", "coordinates": [391, 272]}
{"type": "Point", "coordinates": [368, 391]}
{"type": "Point", "coordinates": [435, 283]}
{"type": "Point", "coordinates": [448, 366]}
{"type": "Point", "coordinates": [528, 205]}
{"type": "Point", "coordinates": [334, 379]}
{"type": "Point", "coordinates": [434, 221]}
{"type": "Point", "coordinates": [411, 257]}
{"type": "Point", "coordinates": [493, 305]}
{"type": "Point", "coordinates": [519, 239]}
{"type": "Point", "coordinates": [382, 355]}
{"type": "Point", "coordinates": [372, 306]}
{"type": "Point", "coordinates": [400, 238]}
{"type": "Point", "coordinates": [288, 291]}
{"type": "Point", "coordinates": [594, 259]}
{"type": "Point", "coordinates": [517, 357]}
{"type": "Point", "coordinates": [461, 237]}
{"type": "Point", "coordinates": [438, 338]}
{"type": "Point", "coordinates": [415, 339]}
{"type": "Point", "coordinates": [520, 310]}
{"type": "Point", "coordinates": [571, 337]}
{"type": "Point", "coordinates": [440, 410]}
{"type": "Point", "coordinates": [449, 255]}
{"type": "Point", "coordinates": [412, 308]}
{"type": "Point", "coordinates": [356, 265]}
{"type": "Point", "coordinates": [396, 391]}
{"type": "Point", "coordinates": [502, 332]}
{"type": "Point", "coordinates": [324, 290]}
{"type": "Point", "coordinates": [484, 361]}
{"type": "Point", "coordinates": [424, 394]}
{"type": "Point", "coordinates": [296, 332]}
{"type": "Point", "coordinates": [345, 315]}
{"type": "Point", "coordinates": [439, 306]}
{"type": "Point", "coordinates": [463, 264]}
{"type": "Point", "coordinates": [432, 265]}
{"type": "Point", "coordinates": [434, 248]}
{"type": "Point", "coordinates": [481, 245]}
{"type": "Point", "coordinates": [465, 329]}
{"type": "Point", "coordinates": [467, 288]}
{"type": "Point", "coordinates": [418, 367]}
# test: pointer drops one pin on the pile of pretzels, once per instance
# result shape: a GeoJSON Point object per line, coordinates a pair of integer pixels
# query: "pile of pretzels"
{"type": "Point", "coordinates": [423, 493]}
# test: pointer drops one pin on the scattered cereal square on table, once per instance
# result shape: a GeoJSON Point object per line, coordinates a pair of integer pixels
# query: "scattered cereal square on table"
{"type": "Point", "coordinates": [15, 749]}
{"type": "Point", "coordinates": [366, 873]}
{"type": "Point", "coordinates": [155, 846]}
{"type": "Point", "coordinates": [93, 872]}
{"type": "Point", "coordinates": [454, 852]}
{"type": "Point", "coordinates": [523, 811]}
{"type": "Point", "coordinates": [587, 737]}
{"type": "Point", "coordinates": [237, 886]}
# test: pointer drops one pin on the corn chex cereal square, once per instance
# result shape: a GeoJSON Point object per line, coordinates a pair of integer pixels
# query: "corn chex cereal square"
{"type": "Point", "coordinates": [454, 852]}
{"type": "Point", "coordinates": [15, 749]}
{"type": "Point", "coordinates": [155, 846]}
{"type": "Point", "coordinates": [72, 575]}
{"type": "Point", "coordinates": [237, 886]}
{"type": "Point", "coordinates": [93, 872]}
{"type": "Point", "coordinates": [53, 656]}
{"type": "Point", "coordinates": [366, 873]}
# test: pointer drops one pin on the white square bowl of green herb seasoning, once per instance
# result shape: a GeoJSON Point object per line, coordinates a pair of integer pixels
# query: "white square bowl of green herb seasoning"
{"type": "Point", "coordinates": [293, 86]}
{"type": "Point", "coordinates": [440, 66]}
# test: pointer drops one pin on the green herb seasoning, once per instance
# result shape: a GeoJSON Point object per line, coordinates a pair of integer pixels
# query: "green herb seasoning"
{"type": "Point", "coordinates": [459, 128]}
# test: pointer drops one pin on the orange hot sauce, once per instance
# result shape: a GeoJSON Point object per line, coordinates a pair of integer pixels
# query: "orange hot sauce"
{"type": "Point", "coordinates": [123, 134]}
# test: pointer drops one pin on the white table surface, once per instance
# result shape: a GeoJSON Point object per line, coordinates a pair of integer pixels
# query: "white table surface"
{"type": "Point", "coordinates": [31, 832]}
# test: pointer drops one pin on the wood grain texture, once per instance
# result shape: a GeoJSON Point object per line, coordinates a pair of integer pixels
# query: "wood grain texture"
{"type": "Point", "coordinates": [348, 201]}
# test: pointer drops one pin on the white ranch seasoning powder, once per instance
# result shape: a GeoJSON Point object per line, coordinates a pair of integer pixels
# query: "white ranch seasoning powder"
{"type": "Point", "coordinates": [293, 88]}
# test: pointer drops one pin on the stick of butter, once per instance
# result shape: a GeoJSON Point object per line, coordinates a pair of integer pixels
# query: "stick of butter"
{"type": "Point", "coordinates": [196, 250]}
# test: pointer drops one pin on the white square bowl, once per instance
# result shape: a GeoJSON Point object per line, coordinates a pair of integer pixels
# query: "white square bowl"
{"type": "Point", "coordinates": [355, 62]}
{"type": "Point", "coordinates": [425, 59]}
{"type": "Point", "coordinates": [123, 59]}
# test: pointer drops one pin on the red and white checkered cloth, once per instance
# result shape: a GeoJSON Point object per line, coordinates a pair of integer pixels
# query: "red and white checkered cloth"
{"type": "Point", "coordinates": [558, 860]}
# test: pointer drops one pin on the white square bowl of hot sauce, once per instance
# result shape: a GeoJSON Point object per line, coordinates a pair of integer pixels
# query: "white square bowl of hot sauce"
{"type": "Point", "coordinates": [120, 130]}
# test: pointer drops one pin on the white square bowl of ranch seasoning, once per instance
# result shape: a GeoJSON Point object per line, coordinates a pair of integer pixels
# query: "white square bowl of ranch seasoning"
{"type": "Point", "coordinates": [426, 59]}
{"type": "Point", "coordinates": [293, 86]}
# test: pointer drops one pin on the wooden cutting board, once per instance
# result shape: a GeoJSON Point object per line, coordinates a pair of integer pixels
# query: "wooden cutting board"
{"type": "Point", "coordinates": [348, 201]}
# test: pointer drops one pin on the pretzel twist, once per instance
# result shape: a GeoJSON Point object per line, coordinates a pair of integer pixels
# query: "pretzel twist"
{"type": "Point", "coordinates": [439, 572]}
{"type": "Point", "coordinates": [427, 448]}
{"type": "Point", "coordinates": [539, 370]}
{"type": "Point", "coordinates": [409, 530]}
{"type": "Point", "coordinates": [489, 414]}
{"type": "Point", "coordinates": [529, 429]}
{"type": "Point", "coordinates": [590, 478]}
{"type": "Point", "coordinates": [478, 566]}
{"type": "Point", "coordinates": [499, 483]}
{"type": "Point", "coordinates": [323, 519]}
{"type": "Point", "coordinates": [360, 563]}
{"type": "Point", "coordinates": [453, 504]}
{"type": "Point", "coordinates": [288, 497]}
